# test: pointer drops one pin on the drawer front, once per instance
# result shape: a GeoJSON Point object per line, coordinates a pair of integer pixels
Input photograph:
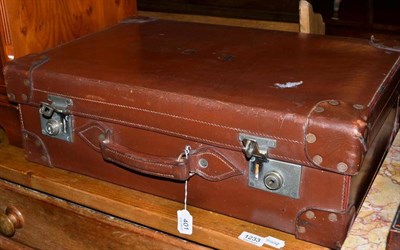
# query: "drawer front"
{"type": "Point", "coordinates": [46, 222]}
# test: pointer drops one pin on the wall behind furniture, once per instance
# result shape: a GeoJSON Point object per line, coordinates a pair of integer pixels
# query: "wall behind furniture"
{"type": "Point", "coordinates": [30, 26]}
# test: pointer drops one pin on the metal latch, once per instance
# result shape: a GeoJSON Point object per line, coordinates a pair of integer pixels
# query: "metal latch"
{"type": "Point", "coordinates": [55, 119]}
{"type": "Point", "coordinates": [267, 174]}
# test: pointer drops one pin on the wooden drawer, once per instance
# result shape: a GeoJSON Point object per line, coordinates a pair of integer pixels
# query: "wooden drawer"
{"type": "Point", "coordinates": [52, 223]}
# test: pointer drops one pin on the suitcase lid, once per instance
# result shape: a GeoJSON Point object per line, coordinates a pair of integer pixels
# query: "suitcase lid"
{"type": "Point", "coordinates": [320, 98]}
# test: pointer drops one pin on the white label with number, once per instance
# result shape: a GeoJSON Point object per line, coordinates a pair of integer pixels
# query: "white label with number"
{"type": "Point", "coordinates": [274, 242]}
{"type": "Point", "coordinates": [252, 239]}
{"type": "Point", "coordinates": [185, 222]}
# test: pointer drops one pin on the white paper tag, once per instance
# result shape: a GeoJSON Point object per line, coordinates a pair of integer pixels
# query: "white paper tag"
{"type": "Point", "coordinates": [252, 239]}
{"type": "Point", "coordinates": [185, 222]}
{"type": "Point", "coordinates": [274, 242]}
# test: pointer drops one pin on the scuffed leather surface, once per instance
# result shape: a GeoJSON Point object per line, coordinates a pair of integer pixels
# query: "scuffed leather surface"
{"type": "Point", "coordinates": [35, 149]}
{"type": "Point", "coordinates": [20, 84]}
{"type": "Point", "coordinates": [330, 227]}
{"type": "Point", "coordinates": [345, 144]}
{"type": "Point", "coordinates": [155, 71]}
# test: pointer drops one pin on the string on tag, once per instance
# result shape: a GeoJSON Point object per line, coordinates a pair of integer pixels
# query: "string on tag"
{"type": "Point", "coordinates": [186, 192]}
{"type": "Point", "coordinates": [185, 219]}
{"type": "Point", "coordinates": [186, 151]}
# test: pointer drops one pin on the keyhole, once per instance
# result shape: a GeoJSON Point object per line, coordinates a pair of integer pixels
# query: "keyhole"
{"type": "Point", "coordinates": [273, 181]}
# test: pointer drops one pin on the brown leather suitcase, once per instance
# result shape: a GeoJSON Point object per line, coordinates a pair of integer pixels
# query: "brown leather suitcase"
{"type": "Point", "coordinates": [281, 129]}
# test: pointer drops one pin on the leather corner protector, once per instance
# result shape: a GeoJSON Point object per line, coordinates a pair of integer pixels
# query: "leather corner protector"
{"type": "Point", "coordinates": [327, 228]}
{"type": "Point", "coordinates": [90, 133]}
{"type": "Point", "coordinates": [212, 165]}
{"type": "Point", "coordinates": [35, 149]}
{"type": "Point", "coordinates": [18, 77]}
{"type": "Point", "coordinates": [335, 136]}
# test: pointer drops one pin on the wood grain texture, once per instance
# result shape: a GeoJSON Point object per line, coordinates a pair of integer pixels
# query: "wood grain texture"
{"type": "Point", "coordinates": [210, 229]}
{"type": "Point", "coordinates": [310, 22]}
{"type": "Point", "coordinates": [258, 24]}
{"type": "Point", "coordinates": [269, 10]}
{"type": "Point", "coordinates": [51, 223]}
{"type": "Point", "coordinates": [8, 244]}
{"type": "Point", "coordinates": [31, 26]}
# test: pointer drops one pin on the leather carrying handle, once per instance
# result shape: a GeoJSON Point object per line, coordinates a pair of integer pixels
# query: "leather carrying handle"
{"type": "Point", "coordinates": [166, 167]}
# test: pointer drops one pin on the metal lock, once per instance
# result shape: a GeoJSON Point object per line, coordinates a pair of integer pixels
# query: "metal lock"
{"type": "Point", "coordinates": [55, 118]}
{"type": "Point", "coordinates": [53, 127]}
{"type": "Point", "coordinates": [267, 174]}
{"type": "Point", "coordinates": [273, 180]}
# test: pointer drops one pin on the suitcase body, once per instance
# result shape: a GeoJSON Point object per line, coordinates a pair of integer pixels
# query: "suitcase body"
{"type": "Point", "coordinates": [281, 129]}
{"type": "Point", "coordinates": [9, 117]}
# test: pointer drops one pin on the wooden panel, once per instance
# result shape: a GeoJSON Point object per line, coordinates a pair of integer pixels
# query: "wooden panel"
{"type": "Point", "coordinates": [8, 244]}
{"type": "Point", "coordinates": [258, 24]}
{"type": "Point", "coordinates": [271, 10]}
{"type": "Point", "coordinates": [51, 223]}
{"type": "Point", "coordinates": [210, 229]}
{"type": "Point", "coordinates": [310, 22]}
{"type": "Point", "coordinates": [31, 26]}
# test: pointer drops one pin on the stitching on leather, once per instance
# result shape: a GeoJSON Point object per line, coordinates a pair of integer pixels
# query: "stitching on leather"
{"type": "Point", "coordinates": [178, 117]}
{"type": "Point", "coordinates": [82, 136]}
{"type": "Point", "coordinates": [140, 160]}
{"type": "Point", "coordinates": [33, 137]}
{"type": "Point", "coordinates": [158, 129]}
{"type": "Point", "coordinates": [288, 158]}
{"type": "Point", "coordinates": [343, 192]}
{"type": "Point", "coordinates": [33, 67]}
{"type": "Point", "coordinates": [157, 174]}
{"type": "Point", "coordinates": [89, 142]}
{"type": "Point", "coordinates": [223, 175]}
{"type": "Point", "coordinates": [144, 171]}
{"type": "Point", "coordinates": [221, 159]}
{"type": "Point", "coordinates": [20, 117]}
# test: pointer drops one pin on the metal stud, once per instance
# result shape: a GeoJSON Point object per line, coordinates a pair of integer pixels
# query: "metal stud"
{"type": "Point", "coordinates": [342, 167]}
{"type": "Point", "coordinates": [311, 138]}
{"type": "Point", "coordinates": [358, 106]}
{"type": "Point", "coordinates": [43, 158]}
{"type": "Point", "coordinates": [203, 163]}
{"type": "Point", "coordinates": [301, 229]}
{"type": "Point", "coordinates": [27, 82]}
{"type": "Point", "coordinates": [101, 137]}
{"type": "Point", "coordinates": [310, 215]}
{"type": "Point", "coordinates": [24, 97]}
{"type": "Point", "coordinates": [332, 217]}
{"type": "Point", "coordinates": [317, 159]}
{"type": "Point", "coordinates": [333, 102]}
{"type": "Point", "coordinates": [319, 109]}
{"type": "Point", "coordinates": [11, 96]}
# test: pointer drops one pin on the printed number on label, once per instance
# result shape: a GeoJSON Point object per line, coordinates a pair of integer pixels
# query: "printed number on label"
{"type": "Point", "coordinates": [185, 222]}
{"type": "Point", "coordinates": [252, 239]}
